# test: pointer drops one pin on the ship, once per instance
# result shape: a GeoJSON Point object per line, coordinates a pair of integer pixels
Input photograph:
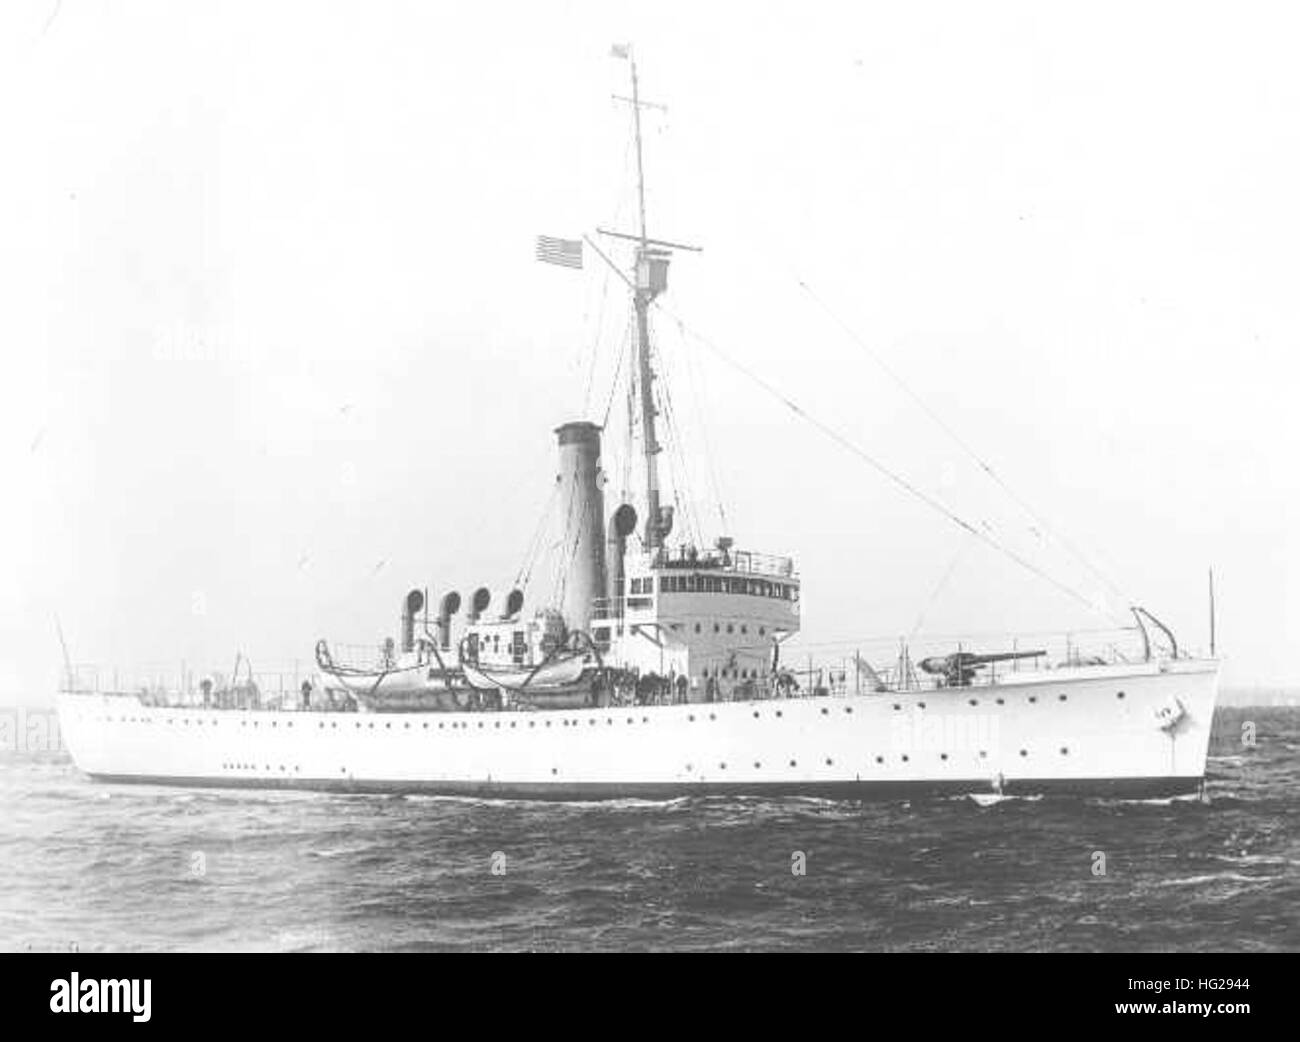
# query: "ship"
{"type": "Point", "coordinates": [656, 670]}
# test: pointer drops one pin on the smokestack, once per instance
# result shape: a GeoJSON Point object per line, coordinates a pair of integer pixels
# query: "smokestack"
{"type": "Point", "coordinates": [410, 609]}
{"type": "Point", "coordinates": [582, 506]}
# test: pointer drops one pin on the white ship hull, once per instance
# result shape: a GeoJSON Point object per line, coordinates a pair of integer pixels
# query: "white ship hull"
{"type": "Point", "coordinates": [1054, 731]}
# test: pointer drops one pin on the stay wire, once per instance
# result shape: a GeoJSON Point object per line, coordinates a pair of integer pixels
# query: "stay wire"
{"type": "Point", "coordinates": [880, 468]}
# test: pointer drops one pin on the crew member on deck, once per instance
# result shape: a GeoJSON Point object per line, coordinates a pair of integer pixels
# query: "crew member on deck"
{"type": "Point", "coordinates": [306, 694]}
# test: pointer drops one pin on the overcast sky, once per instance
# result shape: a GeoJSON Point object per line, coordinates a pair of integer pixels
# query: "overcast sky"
{"type": "Point", "coordinates": [275, 347]}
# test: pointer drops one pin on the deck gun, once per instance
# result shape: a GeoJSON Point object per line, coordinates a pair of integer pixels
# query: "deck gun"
{"type": "Point", "coordinates": [958, 669]}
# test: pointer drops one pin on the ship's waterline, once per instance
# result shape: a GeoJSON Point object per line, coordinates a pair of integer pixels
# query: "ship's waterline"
{"type": "Point", "coordinates": [1132, 731]}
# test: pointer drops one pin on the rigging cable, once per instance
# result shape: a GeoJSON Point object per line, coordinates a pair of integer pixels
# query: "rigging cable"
{"type": "Point", "coordinates": [966, 448]}
{"type": "Point", "coordinates": [620, 206]}
{"type": "Point", "coordinates": [595, 345]}
{"type": "Point", "coordinates": [618, 368]}
{"type": "Point", "coordinates": [676, 457]}
{"type": "Point", "coordinates": [533, 549]}
{"type": "Point", "coordinates": [880, 468]}
{"type": "Point", "coordinates": [692, 382]}
{"type": "Point", "coordinates": [966, 544]}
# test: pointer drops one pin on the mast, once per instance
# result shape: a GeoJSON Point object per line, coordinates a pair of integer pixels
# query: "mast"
{"type": "Point", "coordinates": [650, 278]}
{"type": "Point", "coordinates": [642, 297]}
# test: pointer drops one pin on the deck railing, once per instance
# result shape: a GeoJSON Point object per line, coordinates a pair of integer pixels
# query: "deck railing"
{"type": "Point", "coordinates": [802, 673]}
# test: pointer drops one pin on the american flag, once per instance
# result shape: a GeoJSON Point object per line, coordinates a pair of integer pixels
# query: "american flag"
{"type": "Point", "coordinates": [567, 252]}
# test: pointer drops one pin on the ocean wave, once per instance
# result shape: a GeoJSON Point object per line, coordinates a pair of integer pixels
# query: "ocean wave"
{"type": "Point", "coordinates": [1218, 877]}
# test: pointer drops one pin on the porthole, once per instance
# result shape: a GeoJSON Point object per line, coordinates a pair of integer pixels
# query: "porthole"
{"type": "Point", "coordinates": [943, 756]}
{"type": "Point", "coordinates": [1061, 698]}
{"type": "Point", "coordinates": [973, 702]}
{"type": "Point", "coordinates": [897, 706]}
{"type": "Point", "coordinates": [757, 765]}
{"type": "Point", "coordinates": [731, 628]}
{"type": "Point", "coordinates": [592, 722]}
{"type": "Point", "coordinates": [825, 711]}
{"type": "Point", "coordinates": [387, 727]}
{"type": "Point", "coordinates": [905, 757]}
{"type": "Point", "coordinates": [778, 712]}
{"type": "Point", "coordinates": [921, 704]}
{"type": "Point", "coordinates": [497, 725]}
{"type": "Point", "coordinates": [1033, 699]}
{"type": "Point", "coordinates": [697, 627]}
{"type": "Point", "coordinates": [1065, 751]}
{"type": "Point", "coordinates": [405, 726]}
{"type": "Point", "coordinates": [1002, 701]}
{"type": "Point", "coordinates": [691, 718]}
{"type": "Point", "coordinates": [984, 755]}
{"type": "Point", "coordinates": [712, 716]}
{"type": "Point", "coordinates": [555, 770]}
{"type": "Point", "coordinates": [880, 759]}
{"type": "Point", "coordinates": [755, 714]}
{"type": "Point", "coordinates": [1120, 694]}
{"type": "Point", "coordinates": [848, 709]}
{"type": "Point", "coordinates": [1024, 752]}
{"type": "Point", "coordinates": [829, 762]}
{"type": "Point", "coordinates": [793, 764]}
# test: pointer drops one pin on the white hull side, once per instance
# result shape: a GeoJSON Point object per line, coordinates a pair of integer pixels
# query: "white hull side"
{"type": "Point", "coordinates": [1065, 730]}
